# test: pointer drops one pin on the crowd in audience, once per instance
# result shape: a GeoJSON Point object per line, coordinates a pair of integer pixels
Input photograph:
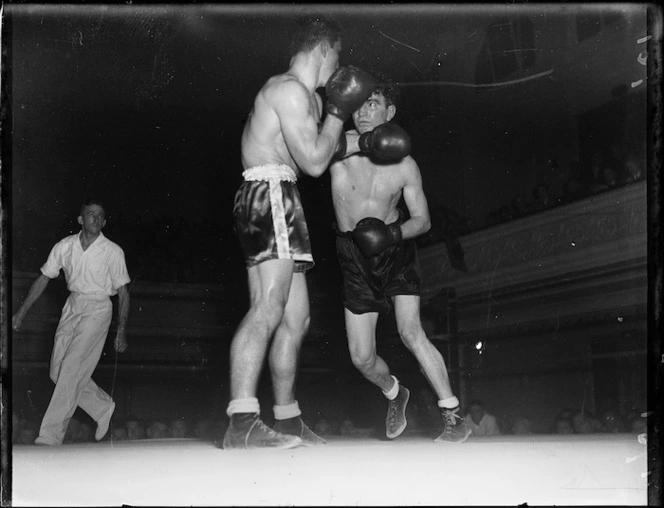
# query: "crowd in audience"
{"type": "Point", "coordinates": [606, 171]}
{"type": "Point", "coordinates": [422, 413]}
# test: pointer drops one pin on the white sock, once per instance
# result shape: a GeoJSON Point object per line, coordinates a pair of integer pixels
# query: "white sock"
{"type": "Point", "coordinates": [392, 393]}
{"type": "Point", "coordinates": [448, 403]}
{"type": "Point", "coordinates": [285, 412]}
{"type": "Point", "coordinates": [248, 405]}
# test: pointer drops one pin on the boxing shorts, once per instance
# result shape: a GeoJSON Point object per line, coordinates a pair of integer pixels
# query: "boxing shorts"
{"type": "Point", "coordinates": [369, 283]}
{"type": "Point", "coordinates": [268, 217]}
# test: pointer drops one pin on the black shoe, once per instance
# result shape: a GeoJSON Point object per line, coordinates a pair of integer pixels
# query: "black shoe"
{"type": "Point", "coordinates": [455, 428]}
{"type": "Point", "coordinates": [395, 423]}
{"type": "Point", "coordinates": [247, 430]}
{"type": "Point", "coordinates": [296, 427]}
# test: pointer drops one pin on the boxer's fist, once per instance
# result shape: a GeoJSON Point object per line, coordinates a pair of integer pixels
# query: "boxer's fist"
{"type": "Point", "coordinates": [347, 89]}
{"type": "Point", "coordinates": [372, 235]}
{"type": "Point", "coordinates": [387, 142]}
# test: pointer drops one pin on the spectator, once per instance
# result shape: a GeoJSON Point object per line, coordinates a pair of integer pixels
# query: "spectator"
{"type": "Point", "coordinates": [612, 421]}
{"type": "Point", "coordinates": [179, 429]}
{"type": "Point", "coordinates": [204, 430]}
{"type": "Point", "coordinates": [522, 425]}
{"type": "Point", "coordinates": [135, 428]}
{"type": "Point", "coordinates": [71, 434]}
{"type": "Point", "coordinates": [85, 433]}
{"type": "Point", "coordinates": [633, 170]}
{"type": "Point", "coordinates": [584, 423]}
{"type": "Point", "coordinates": [520, 206]}
{"type": "Point", "coordinates": [28, 433]}
{"type": "Point", "coordinates": [118, 433]}
{"type": "Point", "coordinates": [572, 190]}
{"type": "Point", "coordinates": [323, 427]}
{"type": "Point", "coordinates": [158, 430]}
{"type": "Point", "coordinates": [564, 426]}
{"type": "Point", "coordinates": [542, 197]}
{"type": "Point", "coordinates": [480, 422]}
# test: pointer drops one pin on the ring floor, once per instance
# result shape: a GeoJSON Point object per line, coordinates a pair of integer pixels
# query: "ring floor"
{"type": "Point", "coordinates": [600, 469]}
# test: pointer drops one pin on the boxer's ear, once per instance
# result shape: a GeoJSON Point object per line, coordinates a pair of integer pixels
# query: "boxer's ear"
{"type": "Point", "coordinates": [391, 111]}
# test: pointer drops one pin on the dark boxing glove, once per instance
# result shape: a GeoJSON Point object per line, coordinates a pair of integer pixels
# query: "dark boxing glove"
{"type": "Point", "coordinates": [347, 89]}
{"type": "Point", "coordinates": [387, 142]}
{"type": "Point", "coordinates": [372, 235]}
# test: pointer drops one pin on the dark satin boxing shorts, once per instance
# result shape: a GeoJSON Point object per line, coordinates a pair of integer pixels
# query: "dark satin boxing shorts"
{"type": "Point", "coordinates": [369, 283]}
{"type": "Point", "coordinates": [270, 223]}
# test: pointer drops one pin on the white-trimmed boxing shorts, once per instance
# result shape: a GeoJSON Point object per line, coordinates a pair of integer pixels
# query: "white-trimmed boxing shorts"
{"type": "Point", "coordinates": [268, 217]}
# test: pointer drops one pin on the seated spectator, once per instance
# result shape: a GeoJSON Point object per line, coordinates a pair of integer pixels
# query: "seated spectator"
{"type": "Point", "coordinates": [480, 422]}
{"type": "Point", "coordinates": [135, 428]}
{"type": "Point", "coordinates": [204, 430]}
{"type": "Point", "coordinates": [85, 433]}
{"type": "Point", "coordinates": [585, 423]}
{"type": "Point", "coordinates": [522, 425]}
{"type": "Point", "coordinates": [505, 214]}
{"type": "Point", "coordinates": [633, 170]}
{"type": "Point", "coordinates": [564, 426]}
{"type": "Point", "coordinates": [179, 429]}
{"type": "Point", "coordinates": [71, 434]}
{"type": "Point", "coordinates": [118, 433]}
{"type": "Point", "coordinates": [542, 197]}
{"type": "Point", "coordinates": [520, 206]}
{"type": "Point", "coordinates": [28, 433]}
{"type": "Point", "coordinates": [572, 190]}
{"type": "Point", "coordinates": [158, 430]}
{"type": "Point", "coordinates": [612, 421]}
{"type": "Point", "coordinates": [323, 427]}
{"type": "Point", "coordinates": [348, 429]}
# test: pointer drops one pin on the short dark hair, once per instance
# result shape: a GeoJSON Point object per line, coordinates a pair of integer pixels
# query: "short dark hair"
{"type": "Point", "coordinates": [310, 32]}
{"type": "Point", "coordinates": [92, 201]}
{"type": "Point", "coordinates": [386, 87]}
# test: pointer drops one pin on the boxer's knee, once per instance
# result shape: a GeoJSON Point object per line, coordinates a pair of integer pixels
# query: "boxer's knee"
{"type": "Point", "coordinates": [364, 360]}
{"type": "Point", "coordinates": [412, 334]}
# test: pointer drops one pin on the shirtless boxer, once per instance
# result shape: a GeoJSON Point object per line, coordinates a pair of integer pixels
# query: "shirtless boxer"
{"type": "Point", "coordinates": [378, 258]}
{"type": "Point", "coordinates": [282, 139]}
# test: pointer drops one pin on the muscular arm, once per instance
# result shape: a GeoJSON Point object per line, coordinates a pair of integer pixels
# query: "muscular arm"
{"type": "Point", "coordinates": [311, 150]}
{"type": "Point", "coordinates": [418, 208]}
{"type": "Point", "coordinates": [35, 291]}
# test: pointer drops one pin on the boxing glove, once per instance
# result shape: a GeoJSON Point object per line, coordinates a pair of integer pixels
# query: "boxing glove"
{"type": "Point", "coordinates": [372, 235]}
{"type": "Point", "coordinates": [387, 142]}
{"type": "Point", "coordinates": [347, 89]}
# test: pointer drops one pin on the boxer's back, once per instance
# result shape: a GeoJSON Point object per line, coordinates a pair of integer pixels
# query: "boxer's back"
{"type": "Point", "coordinates": [262, 140]}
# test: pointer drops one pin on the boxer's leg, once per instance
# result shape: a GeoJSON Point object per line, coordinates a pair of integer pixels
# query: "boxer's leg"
{"type": "Point", "coordinates": [361, 331]}
{"type": "Point", "coordinates": [283, 359]}
{"type": "Point", "coordinates": [409, 325]}
{"type": "Point", "coordinates": [269, 286]}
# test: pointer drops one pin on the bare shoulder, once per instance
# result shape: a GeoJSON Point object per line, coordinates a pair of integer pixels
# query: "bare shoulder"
{"type": "Point", "coordinates": [284, 88]}
{"type": "Point", "coordinates": [409, 168]}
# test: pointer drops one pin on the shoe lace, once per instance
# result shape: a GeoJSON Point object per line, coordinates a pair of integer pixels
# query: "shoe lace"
{"type": "Point", "coordinates": [451, 418]}
{"type": "Point", "coordinates": [393, 411]}
{"type": "Point", "coordinates": [264, 428]}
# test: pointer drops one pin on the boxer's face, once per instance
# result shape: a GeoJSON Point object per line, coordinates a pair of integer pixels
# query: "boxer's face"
{"type": "Point", "coordinates": [372, 113]}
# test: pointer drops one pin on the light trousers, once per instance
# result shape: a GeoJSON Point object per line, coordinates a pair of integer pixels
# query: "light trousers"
{"type": "Point", "coordinates": [78, 344]}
